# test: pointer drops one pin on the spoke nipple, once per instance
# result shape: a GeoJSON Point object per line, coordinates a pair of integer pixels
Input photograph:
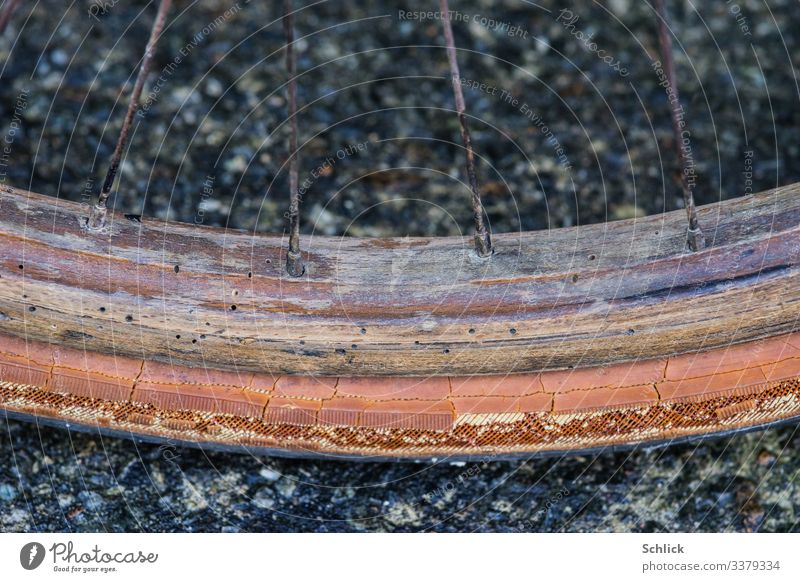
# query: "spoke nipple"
{"type": "Point", "coordinates": [483, 245]}
{"type": "Point", "coordinates": [97, 219]}
{"type": "Point", "coordinates": [294, 264]}
{"type": "Point", "coordinates": [696, 240]}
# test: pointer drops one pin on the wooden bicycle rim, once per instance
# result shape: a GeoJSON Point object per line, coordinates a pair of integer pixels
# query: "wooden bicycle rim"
{"type": "Point", "coordinates": [564, 339]}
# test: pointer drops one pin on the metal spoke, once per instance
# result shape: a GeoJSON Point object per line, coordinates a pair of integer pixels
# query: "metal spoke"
{"type": "Point", "coordinates": [695, 239]}
{"type": "Point", "coordinates": [6, 12]}
{"type": "Point", "coordinates": [483, 238]}
{"type": "Point", "coordinates": [98, 216]}
{"type": "Point", "coordinates": [294, 259]}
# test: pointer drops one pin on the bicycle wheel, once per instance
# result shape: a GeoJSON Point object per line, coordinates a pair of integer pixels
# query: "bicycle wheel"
{"type": "Point", "coordinates": [415, 347]}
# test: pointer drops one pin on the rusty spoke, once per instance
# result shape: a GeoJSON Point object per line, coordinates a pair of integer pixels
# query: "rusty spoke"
{"type": "Point", "coordinates": [98, 216]}
{"type": "Point", "coordinates": [483, 238]}
{"type": "Point", "coordinates": [294, 259]}
{"type": "Point", "coordinates": [695, 239]}
{"type": "Point", "coordinates": [7, 12]}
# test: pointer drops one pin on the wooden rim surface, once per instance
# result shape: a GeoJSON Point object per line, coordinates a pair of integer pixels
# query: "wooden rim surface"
{"type": "Point", "coordinates": [575, 297]}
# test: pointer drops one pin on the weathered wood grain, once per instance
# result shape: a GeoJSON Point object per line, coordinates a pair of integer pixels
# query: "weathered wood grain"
{"type": "Point", "coordinates": [547, 300]}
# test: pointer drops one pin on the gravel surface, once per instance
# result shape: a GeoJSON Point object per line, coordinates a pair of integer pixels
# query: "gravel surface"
{"type": "Point", "coordinates": [564, 138]}
{"type": "Point", "coordinates": [54, 480]}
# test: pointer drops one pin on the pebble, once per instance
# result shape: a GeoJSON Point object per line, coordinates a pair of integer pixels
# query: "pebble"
{"type": "Point", "coordinates": [765, 458]}
{"type": "Point", "coordinates": [236, 165]}
{"type": "Point", "coordinates": [91, 500]}
{"type": "Point", "coordinates": [8, 492]}
{"type": "Point", "coordinates": [214, 88]}
{"type": "Point", "coordinates": [264, 498]}
{"type": "Point", "coordinates": [59, 58]}
{"type": "Point", "coordinates": [269, 474]}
